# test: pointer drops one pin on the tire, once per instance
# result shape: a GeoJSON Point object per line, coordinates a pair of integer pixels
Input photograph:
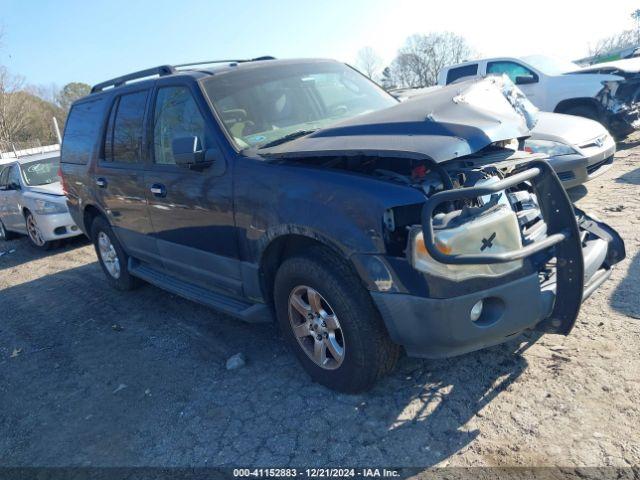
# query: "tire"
{"type": "Point", "coordinates": [5, 235]}
{"type": "Point", "coordinates": [367, 351]}
{"type": "Point", "coordinates": [34, 235]}
{"type": "Point", "coordinates": [114, 263]}
{"type": "Point", "coordinates": [585, 111]}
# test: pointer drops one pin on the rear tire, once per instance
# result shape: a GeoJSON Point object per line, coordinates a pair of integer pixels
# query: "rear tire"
{"type": "Point", "coordinates": [112, 258]}
{"type": "Point", "coordinates": [367, 351]}
{"type": "Point", "coordinates": [5, 235]}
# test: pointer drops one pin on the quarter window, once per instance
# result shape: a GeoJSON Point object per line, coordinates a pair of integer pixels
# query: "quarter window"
{"type": "Point", "coordinates": [123, 139]}
{"type": "Point", "coordinates": [176, 115]}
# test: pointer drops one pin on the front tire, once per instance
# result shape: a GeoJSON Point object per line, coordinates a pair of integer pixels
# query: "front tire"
{"type": "Point", "coordinates": [111, 256]}
{"type": "Point", "coordinates": [585, 111]}
{"type": "Point", "coordinates": [329, 320]}
{"type": "Point", "coordinates": [35, 234]}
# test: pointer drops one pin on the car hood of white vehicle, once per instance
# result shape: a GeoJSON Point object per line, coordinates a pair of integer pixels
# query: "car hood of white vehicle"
{"type": "Point", "coordinates": [567, 129]}
{"type": "Point", "coordinates": [628, 65]}
{"type": "Point", "coordinates": [50, 189]}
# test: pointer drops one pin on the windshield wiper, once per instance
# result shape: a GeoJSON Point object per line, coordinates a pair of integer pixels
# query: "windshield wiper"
{"type": "Point", "coordinates": [288, 137]}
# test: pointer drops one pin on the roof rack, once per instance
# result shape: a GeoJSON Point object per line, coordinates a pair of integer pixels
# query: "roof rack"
{"type": "Point", "coordinates": [149, 72]}
{"type": "Point", "coordinates": [210, 62]}
{"type": "Point", "coordinates": [164, 70]}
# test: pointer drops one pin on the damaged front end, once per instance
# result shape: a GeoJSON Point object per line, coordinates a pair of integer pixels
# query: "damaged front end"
{"type": "Point", "coordinates": [620, 101]}
{"type": "Point", "coordinates": [495, 247]}
{"type": "Point", "coordinates": [524, 215]}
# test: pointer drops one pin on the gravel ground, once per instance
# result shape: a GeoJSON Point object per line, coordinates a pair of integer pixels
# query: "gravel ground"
{"type": "Point", "coordinates": [91, 376]}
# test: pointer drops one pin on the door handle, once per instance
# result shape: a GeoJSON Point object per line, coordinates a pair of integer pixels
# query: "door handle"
{"type": "Point", "coordinates": [101, 182]}
{"type": "Point", "coordinates": [158, 190]}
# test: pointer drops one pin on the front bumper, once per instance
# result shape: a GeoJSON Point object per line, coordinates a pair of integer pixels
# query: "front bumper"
{"type": "Point", "coordinates": [441, 327]}
{"type": "Point", "coordinates": [574, 170]}
{"type": "Point", "coordinates": [573, 259]}
{"type": "Point", "coordinates": [57, 226]}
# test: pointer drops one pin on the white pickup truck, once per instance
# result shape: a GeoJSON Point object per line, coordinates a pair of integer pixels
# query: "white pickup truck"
{"type": "Point", "coordinates": [561, 87]}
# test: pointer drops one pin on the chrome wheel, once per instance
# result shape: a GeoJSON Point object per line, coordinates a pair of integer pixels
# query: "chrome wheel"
{"type": "Point", "coordinates": [316, 327]}
{"type": "Point", "coordinates": [108, 255]}
{"type": "Point", "coordinates": [34, 232]}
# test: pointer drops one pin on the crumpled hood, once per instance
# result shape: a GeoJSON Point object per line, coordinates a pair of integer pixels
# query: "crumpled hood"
{"type": "Point", "coordinates": [441, 125]}
{"type": "Point", "coordinates": [50, 189]}
{"type": "Point", "coordinates": [566, 128]}
{"type": "Point", "coordinates": [627, 65]}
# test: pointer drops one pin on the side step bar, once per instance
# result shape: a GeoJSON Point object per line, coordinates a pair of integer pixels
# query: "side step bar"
{"type": "Point", "coordinates": [248, 312]}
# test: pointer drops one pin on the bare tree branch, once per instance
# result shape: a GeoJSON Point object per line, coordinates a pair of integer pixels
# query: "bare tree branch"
{"type": "Point", "coordinates": [368, 62]}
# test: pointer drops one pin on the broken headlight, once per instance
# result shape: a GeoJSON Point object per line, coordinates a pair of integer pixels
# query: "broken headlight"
{"type": "Point", "coordinates": [548, 147]}
{"type": "Point", "coordinates": [495, 230]}
{"type": "Point", "coordinates": [44, 207]}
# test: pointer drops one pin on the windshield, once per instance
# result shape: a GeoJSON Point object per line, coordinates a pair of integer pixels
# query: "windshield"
{"type": "Point", "coordinates": [41, 172]}
{"type": "Point", "coordinates": [551, 66]}
{"type": "Point", "coordinates": [260, 106]}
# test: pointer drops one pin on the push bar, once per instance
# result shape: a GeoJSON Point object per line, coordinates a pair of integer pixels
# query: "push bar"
{"type": "Point", "coordinates": [474, 192]}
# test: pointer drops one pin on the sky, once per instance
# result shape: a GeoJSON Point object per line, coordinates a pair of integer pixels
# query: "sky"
{"type": "Point", "coordinates": [56, 42]}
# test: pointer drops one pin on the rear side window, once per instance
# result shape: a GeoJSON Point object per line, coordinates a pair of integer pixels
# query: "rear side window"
{"type": "Point", "coordinates": [82, 130]}
{"type": "Point", "coordinates": [460, 72]}
{"type": "Point", "coordinates": [123, 139]}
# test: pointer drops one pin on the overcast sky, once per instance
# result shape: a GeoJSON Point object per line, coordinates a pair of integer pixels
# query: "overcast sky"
{"type": "Point", "coordinates": [79, 40]}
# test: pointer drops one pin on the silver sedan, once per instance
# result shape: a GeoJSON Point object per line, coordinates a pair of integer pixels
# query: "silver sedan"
{"type": "Point", "coordinates": [32, 201]}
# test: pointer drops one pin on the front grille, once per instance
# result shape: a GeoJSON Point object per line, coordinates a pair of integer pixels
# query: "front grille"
{"type": "Point", "coordinates": [592, 168]}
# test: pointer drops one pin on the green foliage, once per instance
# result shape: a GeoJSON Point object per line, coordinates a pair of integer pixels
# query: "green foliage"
{"type": "Point", "coordinates": [72, 92]}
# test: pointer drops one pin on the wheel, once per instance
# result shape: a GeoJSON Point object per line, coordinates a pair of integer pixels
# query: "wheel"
{"type": "Point", "coordinates": [35, 235]}
{"type": "Point", "coordinates": [331, 323]}
{"type": "Point", "coordinates": [5, 234]}
{"type": "Point", "coordinates": [112, 258]}
{"type": "Point", "coordinates": [585, 111]}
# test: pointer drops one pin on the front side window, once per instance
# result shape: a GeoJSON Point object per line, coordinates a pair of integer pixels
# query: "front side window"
{"type": "Point", "coordinates": [14, 176]}
{"type": "Point", "coordinates": [512, 69]}
{"type": "Point", "coordinates": [41, 172]}
{"type": "Point", "coordinates": [123, 139]}
{"type": "Point", "coordinates": [262, 105]}
{"type": "Point", "coordinates": [4, 173]}
{"type": "Point", "coordinates": [176, 115]}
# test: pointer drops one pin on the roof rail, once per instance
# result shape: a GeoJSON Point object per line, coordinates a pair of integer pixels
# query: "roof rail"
{"type": "Point", "coordinates": [118, 81]}
{"type": "Point", "coordinates": [163, 70]}
{"type": "Point", "coordinates": [210, 62]}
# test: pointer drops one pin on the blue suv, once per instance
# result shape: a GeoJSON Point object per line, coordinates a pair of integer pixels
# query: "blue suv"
{"type": "Point", "coordinates": [300, 191]}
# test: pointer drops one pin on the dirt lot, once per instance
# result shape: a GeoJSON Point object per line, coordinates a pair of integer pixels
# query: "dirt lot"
{"type": "Point", "coordinates": [92, 376]}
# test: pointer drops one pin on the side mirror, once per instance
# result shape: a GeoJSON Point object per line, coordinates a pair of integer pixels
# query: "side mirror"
{"type": "Point", "coordinates": [525, 79]}
{"type": "Point", "coordinates": [187, 151]}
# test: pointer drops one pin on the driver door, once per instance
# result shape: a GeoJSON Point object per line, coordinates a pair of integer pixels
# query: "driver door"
{"type": "Point", "coordinates": [10, 204]}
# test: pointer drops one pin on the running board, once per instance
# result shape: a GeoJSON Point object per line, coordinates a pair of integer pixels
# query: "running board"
{"type": "Point", "coordinates": [248, 312]}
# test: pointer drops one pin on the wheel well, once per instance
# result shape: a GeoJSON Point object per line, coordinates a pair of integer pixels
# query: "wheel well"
{"type": "Point", "coordinates": [25, 211]}
{"type": "Point", "coordinates": [89, 215]}
{"type": "Point", "coordinates": [566, 105]}
{"type": "Point", "coordinates": [284, 247]}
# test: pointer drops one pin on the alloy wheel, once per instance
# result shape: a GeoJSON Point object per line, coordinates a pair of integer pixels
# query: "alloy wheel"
{"type": "Point", "coordinates": [108, 255]}
{"type": "Point", "coordinates": [316, 327]}
{"type": "Point", "coordinates": [34, 232]}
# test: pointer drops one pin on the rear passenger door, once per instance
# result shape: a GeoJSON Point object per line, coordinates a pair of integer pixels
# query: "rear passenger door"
{"type": "Point", "coordinates": [191, 209]}
{"type": "Point", "coordinates": [119, 175]}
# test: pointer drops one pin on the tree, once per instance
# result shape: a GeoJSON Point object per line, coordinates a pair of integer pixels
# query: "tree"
{"type": "Point", "coordinates": [387, 81]}
{"type": "Point", "coordinates": [368, 61]}
{"type": "Point", "coordinates": [423, 56]}
{"type": "Point", "coordinates": [72, 92]}
{"type": "Point", "coordinates": [14, 107]}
